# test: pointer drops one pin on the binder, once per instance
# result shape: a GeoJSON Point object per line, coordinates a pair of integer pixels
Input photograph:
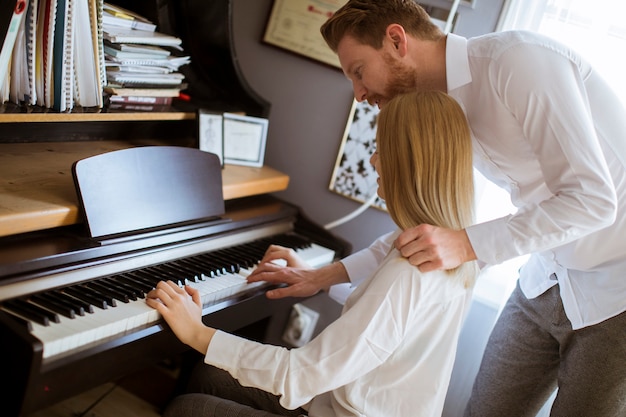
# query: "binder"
{"type": "Point", "coordinates": [96, 10]}
{"type": "Point", "coordinates": [11, 15]}
{"type": "Point", "coordinates": [87, 87]}
{"type": "Point", "coordinates": [31, 50]}
{"type": "Point", "coordinates": [63, 56]}
{"type": "Point", "coordinates": [18, 68]}
{"type": "Point", "coordinates": [45, 46]}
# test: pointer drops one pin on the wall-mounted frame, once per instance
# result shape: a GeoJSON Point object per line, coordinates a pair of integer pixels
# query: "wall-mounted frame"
{"type": "Point", "coordinates": [353, 176]}
{"type": "Point", "coordinates": [211, 133]}
{"type": "Point", "coordinates": [244, 139]}
{"type": "Point", "coordinates": [294, 25]}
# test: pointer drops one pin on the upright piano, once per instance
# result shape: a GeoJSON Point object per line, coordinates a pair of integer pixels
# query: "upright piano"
{"type": "Point", "coordinates": [72, 306]}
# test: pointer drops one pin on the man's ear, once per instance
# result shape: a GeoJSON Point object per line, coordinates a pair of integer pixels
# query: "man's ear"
{"type": "Point", "coordinates": [398, 38]}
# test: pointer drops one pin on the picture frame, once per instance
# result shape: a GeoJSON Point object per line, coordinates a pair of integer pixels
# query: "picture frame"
{"type": "Point", "coordinates": [354, 176]}
{"type": "Point", "coordinates": [211, 133]}
{"type": "Point", "coordinates": [294, 25]}
{"type": "Point", "coordinates": [245, 138]}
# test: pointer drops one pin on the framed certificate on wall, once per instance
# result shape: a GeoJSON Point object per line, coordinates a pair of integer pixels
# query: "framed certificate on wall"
{"type": "Point", "coordinates": [294, 25]}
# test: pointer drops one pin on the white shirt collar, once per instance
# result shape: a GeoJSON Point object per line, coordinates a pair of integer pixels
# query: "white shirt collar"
{"type": "Point", "coordinates": [457, 62]}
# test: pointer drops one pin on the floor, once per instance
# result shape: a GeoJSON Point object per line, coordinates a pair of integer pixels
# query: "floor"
{"type": "Point", "coordinates": [138, 395]}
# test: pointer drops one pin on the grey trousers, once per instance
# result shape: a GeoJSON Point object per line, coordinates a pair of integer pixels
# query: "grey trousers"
{"type": "Point", "coordinates": [212, 392]}
{"type": "Point", "coordinates": [533, 350]}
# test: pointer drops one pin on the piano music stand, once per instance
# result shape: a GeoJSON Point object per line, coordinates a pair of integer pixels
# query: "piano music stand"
{"type": "Point", "coordinates": [148, 188]}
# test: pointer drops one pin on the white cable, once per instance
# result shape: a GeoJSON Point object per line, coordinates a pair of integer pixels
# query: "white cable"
{"type": "Point", "coordinates": [352, 215]}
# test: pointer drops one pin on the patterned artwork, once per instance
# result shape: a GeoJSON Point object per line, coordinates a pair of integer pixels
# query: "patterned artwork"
{"type": "Point", "coordinates": [354, 177]}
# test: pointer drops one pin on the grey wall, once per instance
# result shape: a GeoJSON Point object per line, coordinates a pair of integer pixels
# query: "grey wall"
{"type": "Point", "coordinates": [310, 103]}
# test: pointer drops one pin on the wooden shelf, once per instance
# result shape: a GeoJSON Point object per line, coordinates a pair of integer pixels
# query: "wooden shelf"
{"type": "Point", "coordinates": [94, 117]}
{"type": "Point", "coordinates": [37, 189]}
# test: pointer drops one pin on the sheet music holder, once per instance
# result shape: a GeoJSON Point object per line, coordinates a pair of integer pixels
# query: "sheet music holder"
{"type": "Point", "coordinates": [145, 189]}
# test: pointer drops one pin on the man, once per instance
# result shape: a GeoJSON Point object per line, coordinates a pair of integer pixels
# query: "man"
{"type": "Point", "coordinates": [549, 130]}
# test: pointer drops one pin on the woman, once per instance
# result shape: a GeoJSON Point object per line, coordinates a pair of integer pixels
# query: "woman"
{"type": "Point", "coordinates": [392, 350]}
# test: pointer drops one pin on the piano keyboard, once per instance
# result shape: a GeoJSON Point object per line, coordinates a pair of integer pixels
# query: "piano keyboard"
{"type": "Point", "coordinates": [78, 315]}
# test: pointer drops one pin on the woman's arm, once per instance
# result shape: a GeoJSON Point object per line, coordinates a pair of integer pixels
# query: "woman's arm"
{"type": "Point", "coordinates": [182, 310]}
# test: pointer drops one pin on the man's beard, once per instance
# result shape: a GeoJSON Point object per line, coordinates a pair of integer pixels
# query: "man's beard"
{"type": "Point", "coordinates": [403, 79]}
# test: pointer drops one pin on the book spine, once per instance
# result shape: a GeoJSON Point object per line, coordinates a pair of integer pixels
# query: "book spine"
{"type": "Point", "coordinates": [31, 49]}
{"type": "Point", "coordinates": [140, 100]}
{"type": "Point", "coordinates": [68, 57]}
{"type": "Point", "coordinates": [100, 35]}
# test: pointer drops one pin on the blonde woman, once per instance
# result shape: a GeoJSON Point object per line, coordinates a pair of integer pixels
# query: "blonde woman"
{"type": "Point", "coordinates": [392, 350]}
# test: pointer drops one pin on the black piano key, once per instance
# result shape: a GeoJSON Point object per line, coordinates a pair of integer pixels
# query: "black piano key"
{"type": "Point", "coordinates": [62, 301]}
{"type": "Point", "coordinates": [26, 324]}
{"type": "Point", "coordinates": [147, 279]}
{"type": "Point", "coordinates": [52, 315]}
{"type": "Point", "coordinates": [53, 305]}
{"type": "Point", "coordinates": [244, 261]}
{"type": "Point", "coordinates": [133, 282]}
{"type": "Point", "coordinates": [182, 271]}
{"type": "Point", "coordinates": [86, 297]}
{"type": "Point", "coordinates": [191, 267]}
{"type": "Point", "coordinates": [28, 311]}
{"type": "Point", "coordinates": [143, 277]}
{"type": "Point", "coordinates": [151, 275]}
{"type": "Point", "coordinates": [78, 304]}
{"type": "Point", "coordinates": [240, 255]}
{"type": "Point", "coordinates": [108, 291]}
{"type": "Point", "coordinates": [159, 272]}
{"type": "Point", "coordinates": [232, 265]}
{"type": "Point", "coordinates": [131, 292]}
{"type": "Point", "coordinates": [254, 250]}
{"type": "Point", "coordinates": [204, 269]}
{"type": "Point", "coordinates": [210, 262]}
{"type": "Point", "coordinates": [174, 274]}
{"type": "Point", "coordinates": [98, 295]}
{"type": "Point", "coordinates": [292, 241]}
{"type": "Point", "coordinates": [207, 261]}
{"type": "Point", "coordinates": [193, 264]}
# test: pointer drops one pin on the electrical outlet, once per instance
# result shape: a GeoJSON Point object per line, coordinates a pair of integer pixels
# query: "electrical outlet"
{"type": "Point", "coordinates": [300, 326]}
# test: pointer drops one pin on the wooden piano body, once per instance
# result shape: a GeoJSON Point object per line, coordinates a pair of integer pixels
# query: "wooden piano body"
{"type": "Point", "coordinates": [45, 245]}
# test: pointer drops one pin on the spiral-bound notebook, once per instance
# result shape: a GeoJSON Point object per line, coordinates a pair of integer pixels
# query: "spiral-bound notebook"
{"type": "Point", "coordinates": [87, 84]}
{"type": "Point", "coordinates": [63, 56]}
{"type": "Point", "coordinates": [135, 78]}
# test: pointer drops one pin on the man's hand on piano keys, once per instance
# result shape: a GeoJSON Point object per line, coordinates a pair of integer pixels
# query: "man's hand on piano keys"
{"type": "Point", "coordinates": [300, 279]}
{"type": "Point", "coordinates": [181, 308]}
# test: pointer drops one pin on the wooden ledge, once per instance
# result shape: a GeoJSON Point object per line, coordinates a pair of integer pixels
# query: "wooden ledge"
{"type": "Point", "coordinates": [37, 189]}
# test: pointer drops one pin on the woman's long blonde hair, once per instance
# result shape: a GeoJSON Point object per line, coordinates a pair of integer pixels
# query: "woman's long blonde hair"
{"type": "Point", "coordinates": [425, 152]}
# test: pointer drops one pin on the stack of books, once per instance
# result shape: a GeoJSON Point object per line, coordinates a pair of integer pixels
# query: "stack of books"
{"type": "Point", "coordinates": [142, 64]}
{"type": "Point", "coordinates": [52, 54]}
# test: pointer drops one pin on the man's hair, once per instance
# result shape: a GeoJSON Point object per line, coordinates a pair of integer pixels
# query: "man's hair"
{"type": "Point", "coordinates": [425, 151]}
{"type": "Point", "coordinates": [367, 21]}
